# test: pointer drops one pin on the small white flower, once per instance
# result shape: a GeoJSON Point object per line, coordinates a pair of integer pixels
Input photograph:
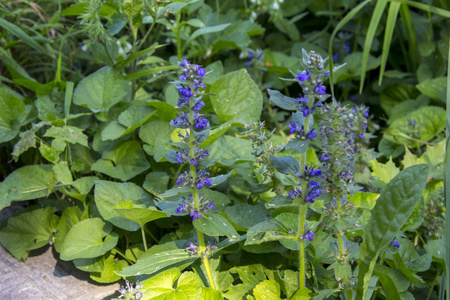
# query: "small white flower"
{"type": "Point", "coordinates": [275, 6]}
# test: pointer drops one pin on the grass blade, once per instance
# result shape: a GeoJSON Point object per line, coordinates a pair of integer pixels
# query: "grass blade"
{"type": "Point", "coordinates": [390, 25]}
{"type": "Point", "coordinates": [341, 24]}
{"type": "Point", "coordinates": [373, 25]}
{"type": "Point", "coordinates": [427, 8]}
{"type": "Point", "coordinates": [19, 33]}
{"type": "Point", "coordinates": [405, 15]}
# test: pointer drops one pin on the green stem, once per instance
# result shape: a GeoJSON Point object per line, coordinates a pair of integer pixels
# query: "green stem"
{"type": "Point", "coordinates": [301, 246]}
{"type": "Point", "coordinates": [178, 37]}
{"type": "Point", "coordinates": [151, 235]}
{"type": "Point", "coordinates": [123, 255]}
{"type": "Point", "coordinates": [144, 240]}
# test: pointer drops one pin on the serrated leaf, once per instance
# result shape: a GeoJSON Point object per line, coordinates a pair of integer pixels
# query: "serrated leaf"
{"type": "Point", "coordinates": [268, 289]}
{"type": "Point", "coordinates": [78, 244]}
{"type": "Point", "coordinates": [12, 113]}
{"type": "Point", "coordinates": [69, 134]}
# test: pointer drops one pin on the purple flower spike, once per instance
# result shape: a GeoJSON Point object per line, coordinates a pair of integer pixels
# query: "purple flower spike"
{"type": "Point", "coordinates": [195, 214]}
{"type": "Point", "coordinates": [395, 243]}
{"type": "Point", "coordinates": [311, 134]}
{"type": "Point", "coordinates": [294, 127]}
{"type": "Point", "coordinates": [201, 72]}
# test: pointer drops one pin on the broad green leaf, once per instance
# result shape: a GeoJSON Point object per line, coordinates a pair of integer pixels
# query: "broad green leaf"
{"type": "Point", "coordinates": [302, 294]}
{"type": "Point", "coordinates": [12, 114]}
{"type": "Point", "coordinates": [79, 244]}
{"type": "Point", "coordinates": [270, 230]}
{"type": "Point", "coordinates": [393, 208]}
{"type": "Point", "coordinates": [26, 183]}
{"type": "Point", "coordinates": [157, 262]}
{"type": "Point", "coordinates": [215, 134]}
{"type": "Point", "coordinates": [384, 172]}
{"type": "Point", "coordinates": [156, 182]}
{"type": "Point", "coordinates": [430, 122]}
{"type": "Point", "coordinates": [246, 215]}
{"type": "Point", "coordinates": [110, 266]}
{"type": "Point", "coordinates": [416, 218]}
{"type": "Point", "coordinates": [172, 284]}
{"type": "Point", "coordinates": [107, 194]}
{"type": "Point", "coordinates": [394, 94]}
{"type": "Point", "coordinates": [150, 71]}
{"type": "Point", "coordinates": [268, 289]}
{"type": "Point", "coordinates": [62, 173]}
{"type": "Point", "coordinates": [229, 150]}
{"type": "Point", "coordinates": [213, 224]}
{"type": "Point", "coordinates": [437, 249]}
{"type": "Point", "coordinates": [70, 217]}
{"type": "Point", "coordinates": [49, 153]}
{"type": "Point", "coordinates": [236, 97]}
{"type": "Point", "coordinates": [28, 230]}
{"type": "Point", "coordinates": [153, 134]}
{"type": "Point", "coordinates": [123, 162]}
{"type": "Point", "coordinates": [364, 200]}
{"type": "Point", "coordinates": [101, 90]}
{"type": "Point", "coordinates": [90, 264]}
{"type": "Point", "coordinates": [70, 134]}
{"type": "Point", "coordinates": [50, 107]}
{"type": "Point", "coordinates": [392, 280]}
{"type": "Point", "coordinates": [288, 281]}
{"type": "Point", "coordinates": [207, 30]}
{"type": "Point", "coordinates": [138, 213]}
{"type": "Point", "coordinates": [128, 121]}
{"type": "Point", "coordinates": [432, 157]}
{"type": "Point", "coordinates": [433, 87]}
{"type": "Point", "coordinates": [285, 164]}
{"type": "Point", "coordinates": [210, 294]}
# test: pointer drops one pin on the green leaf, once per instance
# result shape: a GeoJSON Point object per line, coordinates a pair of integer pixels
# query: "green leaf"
{"type": "Point", "coordinates": [215, 134]}
{"type": "Point", "coordinates": [213, 224]}
{"type": "Point", "coordinates": [433, 87]}
{"type": "Point", "coordinates": [285, 164]}
{"type": "Point", "coordinates": [229, 150]}
{"type": "Point", "coordinates": [128, 121]}
{"type": "Point", "coordinates": [12, 113]}
{"type": "Point", "coordinates": [62, 173]}
{"type": "Point", "coordinates": [107, 273]}
{"type": "Point", "coordinates": [28, 230]}
{"type": "Point", "coordinates": [430, 122]}
{"type": "Point", "coordinates": [364, 200]}
{"type": "Point", "coordinates": [70, 217]}
{"type": "Point", "coordinates": [101, 90]}
{"type": "Point", "coordinates": [70, 134]}
{"type": "Point", "coordinates": [392, 280]}
{"type": "Point", "coordinates": [236, 97]}
{"type": "Point", "coordinates": [153, 134]}
{"type": "Point", "coordinates": [384, 172]}
{"type": "Point", "coordinates": [206, 30]}
{"type": "Point", "coordinates": [123, 162]}
{"type": "Point", "coordinates": [282, 101]}
{"type": "Point", "coordinates": [157, 262]}
{"type": "Point", "coordinates": [268, 289]}
{"type": "Point", "coordinates": [270, 230]}
{"type": "Point", "coordinates": [79, 244]}
{"type": "Point", "coordinates": [49, 153]}
{"type": "Point", "coordinates": [156, 182]}
{"type": "Point", "coordinates": [437, 249]}
{"type": "Point", "coordinates": [107, 194]}
{"type": "Point", "coordinates": [393, 208]}
{"type": "Point", "coordinates": [149, 71]}
{"type": "Point", "coordinates": [210, 294]}
{"type": "Point", "coordinates": [246, 215]}
{"type": "Point", "coordinates": [26, 183]}
{"type": "Point", "coordinates": [138, 213]}
{"type": "Point", "coordinates": [302, 294]}
{"type": "Point", "coordinates": [27, 141]}
{"type": "Point", "coordinates": [50, 107]}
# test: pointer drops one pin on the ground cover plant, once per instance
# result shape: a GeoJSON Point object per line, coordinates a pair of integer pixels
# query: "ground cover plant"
{"type": "Point", "coordinates": [260, 149]}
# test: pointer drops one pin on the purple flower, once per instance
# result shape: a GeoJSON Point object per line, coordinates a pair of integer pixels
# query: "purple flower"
{"type": "Point", "coordinates": [185, 91]}
{"type": "Point", "coordinates": [195, 214]}
{"type": "Point", "coordinates": [324, 157]}
{"type": "Point", "coordinates": [309, 235]}
{"type": "Point", "coordinates": [294, 127]}
{"type": "Point", "coordinates": [395, 243]}
{"type": "Point", "coordinates": [311, 134]}
{"type": "Point", "coordinates": [310, 171]}
{"type": "Point", "coordinates": [182, 156]}
{"type": "Point", "coordinates": [306, 111]}
{"type": "Point", "coordinates": [182, 120]}
{"type": "Point", "coordinates": [335, 57]}
{"type": "Point", "coordinates": [304, 76]}
{"type": "Point", "coordinates": [198, 105]}
{"type": "Point", "coordinates": [201, 72]}
{"type": "Point", "coordinates": [295, 193]}
{"type": "Point", "coordinates": [320, 89]}
{"type": "Point", "coordinates": [203, 179]}
{"type": "Point", "coordinates": [361, 136]}
{"type": "Point", "coordinates": [200, 122]}
{"type": "Point", "coordinates": [192, 248]}
{"type": "Point", "coordinates": [184, 179]}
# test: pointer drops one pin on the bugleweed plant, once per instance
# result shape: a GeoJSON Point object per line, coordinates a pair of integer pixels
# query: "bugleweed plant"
{"type": "Point", "coordinates": [161, 144]}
